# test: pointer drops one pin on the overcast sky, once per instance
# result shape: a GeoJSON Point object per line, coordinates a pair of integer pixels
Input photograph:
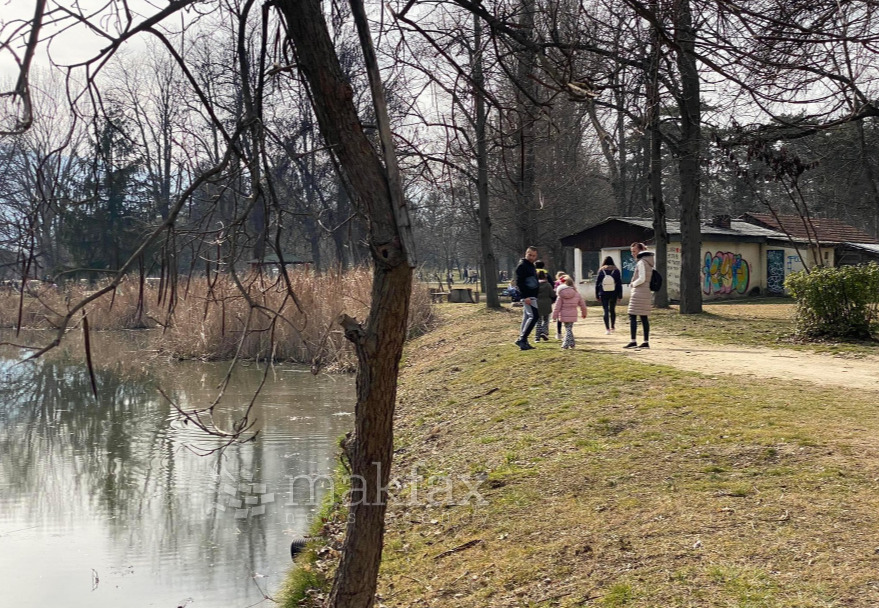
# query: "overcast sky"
{"type": "Point", "coordinates": [66, 47]}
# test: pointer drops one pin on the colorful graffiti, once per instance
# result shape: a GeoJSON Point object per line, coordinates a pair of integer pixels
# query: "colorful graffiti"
{"type": "Point", "coordinates": [725, 272]}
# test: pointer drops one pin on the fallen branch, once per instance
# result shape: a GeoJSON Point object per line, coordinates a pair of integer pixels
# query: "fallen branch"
{"type": "Point", "coordinates": [467, 545]}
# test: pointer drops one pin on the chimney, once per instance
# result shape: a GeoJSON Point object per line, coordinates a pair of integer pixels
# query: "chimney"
{"type": "Point", "coordinates": [722, 221]}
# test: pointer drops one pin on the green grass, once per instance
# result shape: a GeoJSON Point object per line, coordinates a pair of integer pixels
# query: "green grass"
{"type": "Point", "coordinates": [306, 576]}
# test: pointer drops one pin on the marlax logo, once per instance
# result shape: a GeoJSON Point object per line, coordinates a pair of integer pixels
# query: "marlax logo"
{"type": "Point", "coordinates": [244, 497]}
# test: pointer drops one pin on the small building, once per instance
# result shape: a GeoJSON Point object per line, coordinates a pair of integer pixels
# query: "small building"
{"type": "Point", "coordinates": [746, 256]}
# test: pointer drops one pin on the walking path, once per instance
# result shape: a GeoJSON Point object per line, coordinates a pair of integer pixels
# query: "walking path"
{"type": "Point", "coordinates": [711, 358]}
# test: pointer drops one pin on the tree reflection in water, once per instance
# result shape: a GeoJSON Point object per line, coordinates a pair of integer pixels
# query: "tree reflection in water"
{"type": "Point", "coordinates": [122, 460]}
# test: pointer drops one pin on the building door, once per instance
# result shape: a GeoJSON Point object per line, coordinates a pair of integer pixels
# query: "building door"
{"type": "Point", "coordinates": [775, 272]}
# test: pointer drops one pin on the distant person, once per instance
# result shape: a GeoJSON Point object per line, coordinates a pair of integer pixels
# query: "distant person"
{"type": "Point", "coordinates": [449, 280]}
{"type": "Point", "coordinates": [545, 299]}
{"type": "Point", "coordinates": [526, 282]}
{"type": "Point", "coordinates": [640, 296]}
{"type": "Point", "coordinates": [513, 292]}
{"type": "Point", "coordinates": [568, 300]}
{"type": "Point", "coordinates": [608, 290]}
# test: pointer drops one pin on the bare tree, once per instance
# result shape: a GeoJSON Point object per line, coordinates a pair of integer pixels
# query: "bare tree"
{"type": "Point", "coordinates": [373, 184]}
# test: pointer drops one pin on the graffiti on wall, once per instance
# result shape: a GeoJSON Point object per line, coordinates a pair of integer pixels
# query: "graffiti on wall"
{"type": "Point", "coordinates": [628, 265]}
{"type": "Point", "coordinates": [725, 272]}
{"type": "Point", "coordinates": [673, 271]}
{"type": "Point", "coordinates": [775, 271]}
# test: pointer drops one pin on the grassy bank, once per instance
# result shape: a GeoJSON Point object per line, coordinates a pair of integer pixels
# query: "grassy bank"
{"type": "Point", "coordinates": [613, 483]}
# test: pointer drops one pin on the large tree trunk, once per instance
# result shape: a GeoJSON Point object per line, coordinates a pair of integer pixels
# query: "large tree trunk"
{"type": "Point", "coordinates": [689, 167]}
{"type": "Point", "coordinates": [525, 96]}
{"type": "Point", "coordinates": [869, 173]}
{"type": "Point", "coordinates": [654, 100]}
{"type": "Point", "coordinates": [379, 342]}
{"type": "Point", "coordinates": [488, 275]}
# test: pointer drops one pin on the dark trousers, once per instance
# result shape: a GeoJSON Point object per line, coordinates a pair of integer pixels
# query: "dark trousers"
{"type": "Point", "coordinates": [645, 323]}
{"type": "Point", "coordinates": [609, 304]}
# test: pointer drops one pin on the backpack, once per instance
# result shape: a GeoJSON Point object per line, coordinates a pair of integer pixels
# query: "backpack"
{"type": "Point", "coordinates": [655, 280]}
{"type": "Point", "coordinates": [608, 284]}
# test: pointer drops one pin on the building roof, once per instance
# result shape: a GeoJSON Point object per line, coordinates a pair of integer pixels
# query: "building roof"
{"type": "Point", "coordinates": [738, 228]}
{"type": "Point", "coordinates": [869, 247]}
{"type": "Point", "coordinates": [827, 230]}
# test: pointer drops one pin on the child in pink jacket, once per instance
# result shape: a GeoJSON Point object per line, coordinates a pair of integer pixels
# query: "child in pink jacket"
{"type": "Point", "coordinates": [567, 302]}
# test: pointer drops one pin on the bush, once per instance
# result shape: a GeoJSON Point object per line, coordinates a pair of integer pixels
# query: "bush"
{"type": "Point", "coordinates": [836, 302]}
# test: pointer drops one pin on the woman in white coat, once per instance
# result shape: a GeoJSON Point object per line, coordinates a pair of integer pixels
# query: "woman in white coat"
{"type": "Point", "coordinates": [640, 296]}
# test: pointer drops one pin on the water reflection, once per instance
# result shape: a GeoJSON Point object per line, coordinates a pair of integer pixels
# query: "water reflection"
{"type": "Point", "coordinates": [107, 493]}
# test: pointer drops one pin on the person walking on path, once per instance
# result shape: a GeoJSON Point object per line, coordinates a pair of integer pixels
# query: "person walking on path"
{"type": "Point", "coordinates": [545, 298]}
{"type": "Point", "coordinates": [559, 282]}
{"type": "Point", "coordinates": [568, 300]}
{"type": "Point", "coordinates": [640, 296]}
{"type": "Point", "coordinates": [608, 290]}
{"type": "Point", "coordinates": [526, 282]}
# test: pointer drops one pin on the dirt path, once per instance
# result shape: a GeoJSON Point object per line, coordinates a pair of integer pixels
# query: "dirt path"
{"type": "Point", "coordinates": [711, 358]}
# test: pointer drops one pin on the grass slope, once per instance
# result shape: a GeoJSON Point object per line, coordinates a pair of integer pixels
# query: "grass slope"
{"type": "Point", "coordinates": [613, 483]}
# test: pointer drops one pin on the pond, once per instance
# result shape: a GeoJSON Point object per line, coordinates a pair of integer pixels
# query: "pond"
{"type": "Point", "coordinates": [111, 501]}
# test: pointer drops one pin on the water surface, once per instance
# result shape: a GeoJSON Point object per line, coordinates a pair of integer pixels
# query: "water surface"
{"type": "Point", "coordinates": [111, 502]}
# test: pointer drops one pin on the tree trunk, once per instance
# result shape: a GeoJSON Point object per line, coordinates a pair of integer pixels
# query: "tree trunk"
{"type": "Point", "coordinates": [623, 147]}
{"type": "Point", "coordinates": [609, 150]}
{"type": "Point", "coordinates": [379, 343]}
{"type": "Point", "coordinates": [689, 167]}
{"type": "Point", "coordinates": [654, 100]}
{"type": "Point", "coordinates": [488, 274]}
{"type": "Point", "coordinates": [869, 173]}
{"type": "Point", "coordinates": [525, 94]}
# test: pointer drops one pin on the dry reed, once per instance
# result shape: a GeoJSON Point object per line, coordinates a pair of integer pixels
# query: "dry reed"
{"type": "Point", "coordinates": [210, 318]}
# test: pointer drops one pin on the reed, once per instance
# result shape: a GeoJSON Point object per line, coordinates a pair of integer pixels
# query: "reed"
{"type": "Point", "coordinates": [213, 318]}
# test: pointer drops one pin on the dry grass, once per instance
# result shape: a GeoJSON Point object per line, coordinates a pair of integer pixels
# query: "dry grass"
{"type": "Point", "coordinates": [610, 483]}
{"type": "Point", "coordinates": [205, 319]}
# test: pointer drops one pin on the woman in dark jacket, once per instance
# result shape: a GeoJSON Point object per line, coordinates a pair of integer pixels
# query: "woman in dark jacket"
{"type": "Point", "coordinates": [609, 289]}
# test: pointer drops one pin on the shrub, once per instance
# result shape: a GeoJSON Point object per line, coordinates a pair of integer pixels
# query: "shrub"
{"type": "Point", "coordinates": [836, 302]}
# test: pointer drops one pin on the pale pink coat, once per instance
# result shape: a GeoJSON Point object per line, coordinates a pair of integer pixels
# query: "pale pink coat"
{"type": "Point", "coordinates": [568, 302]}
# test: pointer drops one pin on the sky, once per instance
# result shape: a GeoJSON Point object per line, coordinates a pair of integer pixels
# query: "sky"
{"type": "Point", "coordinates": [64, 46]}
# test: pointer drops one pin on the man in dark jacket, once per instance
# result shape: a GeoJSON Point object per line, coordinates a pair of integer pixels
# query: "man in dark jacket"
{"type": "Point", "coordinates": [526, 281]}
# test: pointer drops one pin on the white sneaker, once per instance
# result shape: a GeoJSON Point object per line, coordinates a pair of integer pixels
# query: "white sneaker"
{"type": "Point", "coordinates": [607, 332]}
{"type": "Point", "coordinates": [558, 336]}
